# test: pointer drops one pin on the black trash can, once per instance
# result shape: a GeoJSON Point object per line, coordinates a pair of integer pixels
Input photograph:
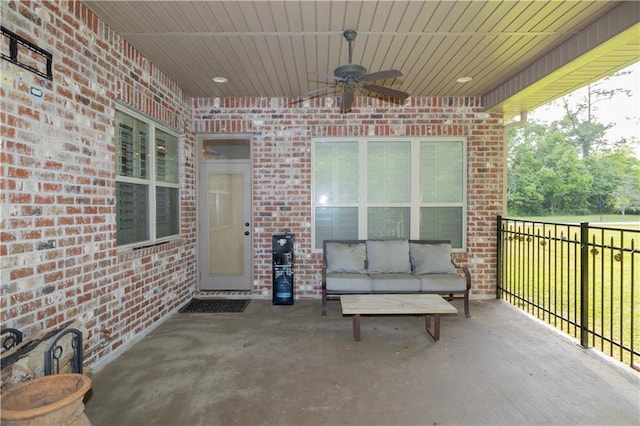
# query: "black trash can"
{"type": "Point", "coordinates": [282, 249]}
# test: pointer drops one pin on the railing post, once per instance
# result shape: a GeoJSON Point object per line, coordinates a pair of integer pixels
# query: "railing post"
{"type": "Point", "coordinates": [499, 259]}
{"type": "Point", "coordinates": [584, 284]}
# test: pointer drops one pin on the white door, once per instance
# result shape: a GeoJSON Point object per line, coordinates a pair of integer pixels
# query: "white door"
{"type": "Point", "coordinates": [225, 225]}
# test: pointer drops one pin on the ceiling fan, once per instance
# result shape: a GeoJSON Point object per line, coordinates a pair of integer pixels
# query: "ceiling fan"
{"type": "Point", "coordinates": [354, 76]}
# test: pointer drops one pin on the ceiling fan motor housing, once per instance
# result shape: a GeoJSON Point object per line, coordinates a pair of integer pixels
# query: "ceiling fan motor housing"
{"type": "Point", "coordinates": [350, 70]}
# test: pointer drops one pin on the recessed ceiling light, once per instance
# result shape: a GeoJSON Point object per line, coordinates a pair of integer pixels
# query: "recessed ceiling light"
{"type": "Point", "coordinates": [220, 79]}
{"type": "Point", "coordinates": [465, 79]}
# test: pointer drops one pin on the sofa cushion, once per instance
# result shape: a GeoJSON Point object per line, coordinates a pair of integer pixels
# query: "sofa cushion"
{"type": "Point", "coordinates": [348, 282]}
{"type": "Point", "coordinates": [431, 258]}
{"type": "Point", "coordinates": [395, 282]}
{"type": "Point", "coordinates": [390, 256]}
{"type": "Point", "coordinates": [442, 283]}
{"type": "Point", "coordinates": [347, 258]}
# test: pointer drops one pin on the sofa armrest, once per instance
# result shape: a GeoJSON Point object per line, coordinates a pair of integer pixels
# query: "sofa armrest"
{"type": "Point", "coordinates": [324, 266]}
{"type": "Point", "coordinates": [324, 279]}
{"type": "Point", "coordinates": [467, 276]}
{"type": "Point", "coordinates": [466, 273]}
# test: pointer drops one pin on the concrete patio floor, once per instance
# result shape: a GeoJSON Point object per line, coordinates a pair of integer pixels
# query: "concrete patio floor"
{"type": "Point", "coordinates": [287, 365]}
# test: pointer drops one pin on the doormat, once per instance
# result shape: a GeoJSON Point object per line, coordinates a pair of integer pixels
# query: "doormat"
{"type": "Point", "coordinates": [214, 306]}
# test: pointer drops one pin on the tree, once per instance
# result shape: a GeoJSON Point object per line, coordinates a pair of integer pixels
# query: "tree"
{"type": "Point", "coordinates": [579, 123]}
{"type": "Point", "coordinates": [569, 166]}
{"type": "Point", "coordinates": [623, 195]}
{"type": "Point", "coordinates": [617, 179]}
{"type": "Point", "coordinates": [546, 175]}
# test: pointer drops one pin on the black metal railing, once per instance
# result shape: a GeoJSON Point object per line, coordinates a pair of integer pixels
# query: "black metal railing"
{"type": "Point", "coordinates": [582, 279]}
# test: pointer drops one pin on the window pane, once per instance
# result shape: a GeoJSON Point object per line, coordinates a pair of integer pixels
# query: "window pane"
{"type": "Point", "coordinates": [389, 172]}
{"type": "Point", "coordinates": [441, 172]}
{"type": "Point", "coordinates": [336, 173]}
{"type": "Point", "coordinates": [132, 149]}
{"type": "Point", "coordinates": [166, 157]}
{"type": "Point", "coordinates": [442, 223]}
{"type": "Point", "coordinates": [226, 149]}
{"type": "Point", "coordinates": [131, 213]}
{"type": "Point", "coordinates": [167, 212]}
{"type": "Point", "coordinates": [388, 222]}
{"type": "Point", "coordinates": [336, 223]}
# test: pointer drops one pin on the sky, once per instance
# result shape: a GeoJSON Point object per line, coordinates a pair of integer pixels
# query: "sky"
{"type": "Point", "coordinates": [622, 111]}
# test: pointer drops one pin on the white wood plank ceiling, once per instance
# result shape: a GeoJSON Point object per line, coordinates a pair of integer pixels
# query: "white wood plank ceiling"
{"type": "Point", "coordinates": [275, 48]}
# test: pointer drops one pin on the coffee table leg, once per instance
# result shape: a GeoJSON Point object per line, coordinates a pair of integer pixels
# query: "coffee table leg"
{"type": "Point", "coordinates": [356, 327]}
{"type": "Point", "coordinates": [435, 331]}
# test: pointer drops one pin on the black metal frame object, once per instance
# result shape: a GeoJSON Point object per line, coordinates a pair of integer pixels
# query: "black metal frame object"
{"type": "Point", "coordinates": [14, 41]}
{"type": "Point", "coordinates": [54, 353]}
{"type": "Point", "coordinates": [13, 338]}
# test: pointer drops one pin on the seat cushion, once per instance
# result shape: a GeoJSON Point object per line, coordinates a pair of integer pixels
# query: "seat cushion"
{"type": "Point", "coordinates": [395, 282]}
{"type": "Point", "coordinates": [348, 282]}
{"type": "Point", "coordinates": [442, 283]}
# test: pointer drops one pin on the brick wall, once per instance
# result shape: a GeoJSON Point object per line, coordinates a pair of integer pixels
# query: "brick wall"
{"type": "Point", "coordinates": [59, 257]}
{"type": "Point", "coordinates": [282, 168]}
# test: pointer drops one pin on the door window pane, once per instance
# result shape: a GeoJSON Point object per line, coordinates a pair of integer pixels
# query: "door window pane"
{"type": "Point", "coordinates": [389, 172]}
{"type": "Point", "coordinates": [226, 223]}
{"type": "Point", "coordinates": [441, 223]}
{"type": "Point", "coordinates": [388, 223]}
{"type": "Point", "coordinates": [335, 223]}
{"type": "Point", "coordinates": [336, 173]}
{"type": "Point", "coordinates": [226, 149]}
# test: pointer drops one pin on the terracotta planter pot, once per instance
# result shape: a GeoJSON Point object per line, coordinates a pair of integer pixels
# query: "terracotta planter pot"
{"type": "Point", "coordinates": [50, 400]}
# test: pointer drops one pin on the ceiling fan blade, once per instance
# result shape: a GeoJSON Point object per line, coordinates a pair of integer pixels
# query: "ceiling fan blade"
{"type": "Point", "coordinates": [381, 75]}
{"type": "Point", "coordinates": [347, 101]}
{"type": "Point", "coordinates": [328, 76]}
{"type": "Point", "coordinates": [315, 91]}
{"type": "Point", "coordinates": [387, 91]}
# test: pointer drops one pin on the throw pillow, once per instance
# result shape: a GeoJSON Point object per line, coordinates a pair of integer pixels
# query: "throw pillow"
{"type": "Point", "coordinates": [390, 256]}
{"type": "Point", "coordinates": [348, 258]}
{"type": "Point", "coordinates": [431, 258]}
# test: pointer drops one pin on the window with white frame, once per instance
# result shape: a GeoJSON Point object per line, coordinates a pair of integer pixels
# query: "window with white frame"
{"type": "Point", "coordinates": [147, 180]}
{"type": "Point", "coordinates": [392, 188]}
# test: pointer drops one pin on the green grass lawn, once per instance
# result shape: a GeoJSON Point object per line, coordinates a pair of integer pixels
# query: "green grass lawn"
{"type": "Point", "coordinates": [594, 219]}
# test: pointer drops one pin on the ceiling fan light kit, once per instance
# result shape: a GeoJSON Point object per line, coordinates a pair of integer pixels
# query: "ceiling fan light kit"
{"type": "Point", "coordinates": [354, 77]}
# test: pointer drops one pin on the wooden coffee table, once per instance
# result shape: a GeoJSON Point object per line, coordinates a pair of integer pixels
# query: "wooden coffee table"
{"type": "Point", "coordinates": [429, 305]}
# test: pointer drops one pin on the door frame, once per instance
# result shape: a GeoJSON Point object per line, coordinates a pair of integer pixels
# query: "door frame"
{"type": "Point", "coordinates": [200, 214]}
